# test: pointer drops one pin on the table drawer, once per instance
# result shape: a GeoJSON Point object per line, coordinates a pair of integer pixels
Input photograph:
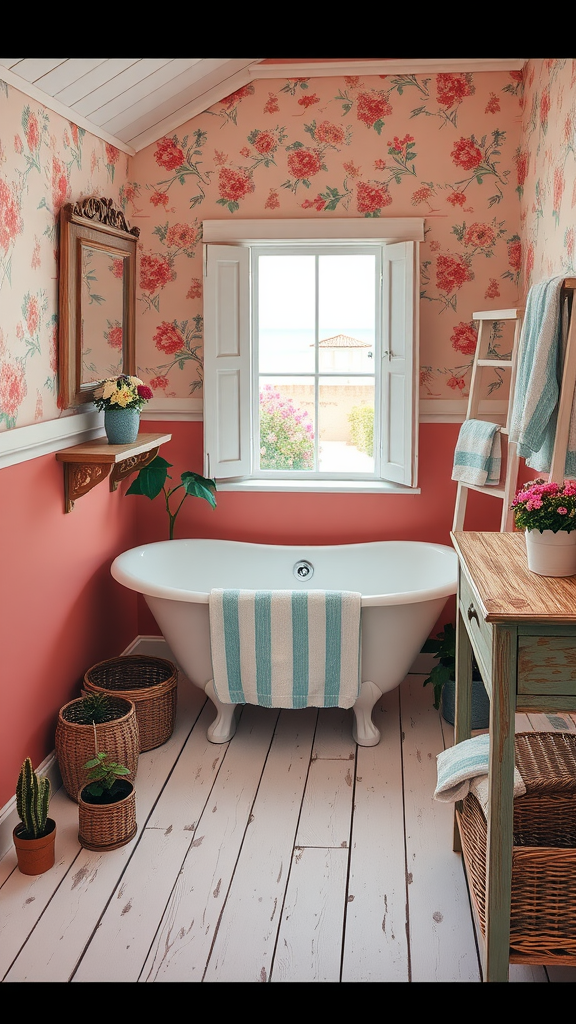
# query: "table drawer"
{"type": "Point", "coordinates": [547, 665]}
{"type": "Point", "coordinates": [479, 631]}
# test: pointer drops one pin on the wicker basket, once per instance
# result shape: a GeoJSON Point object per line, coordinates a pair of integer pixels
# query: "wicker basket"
{"type": "Point", "coordinates": [107, 826]}
{"type": "Point", "coordinates": [150, 683]}
{"type": "Point", "coordinates": [75, 742]}
{"type": "Point", "coordinates": [543, 903]}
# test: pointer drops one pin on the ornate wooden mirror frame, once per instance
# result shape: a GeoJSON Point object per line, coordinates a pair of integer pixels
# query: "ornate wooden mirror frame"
{"type": "Point", "coordinates": [97, 277]}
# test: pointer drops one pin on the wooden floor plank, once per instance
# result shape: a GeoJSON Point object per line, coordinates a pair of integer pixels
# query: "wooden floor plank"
{"type": "Point", "coordinates": [327, 807]}
{"type": "Point", "coordinates": [333, 737]}
{"type": "Point", "coordinates": [182, 945]}
{"type": "Point", "coordinates": [442, 944]}
{"type": "Point", "coordinates": [309, 941]}
{"type": "Point", "coordinates": [376, 944]}
{"type": "Point", "coordinates": [246, 939]}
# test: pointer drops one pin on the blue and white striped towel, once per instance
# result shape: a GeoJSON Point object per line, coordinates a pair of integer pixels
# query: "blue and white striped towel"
{"type": "Point", "coordinates": [464, 768]}
{"type": "Point", "coordinates": [478, 454]}
{"type": "Point", "coordinates": [537, 389]}
{"type": "Point", "coordinates": [286, 648]}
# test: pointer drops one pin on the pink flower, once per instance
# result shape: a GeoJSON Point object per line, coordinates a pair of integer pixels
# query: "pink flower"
{"type": "Point", "coordinates": [562, 511]}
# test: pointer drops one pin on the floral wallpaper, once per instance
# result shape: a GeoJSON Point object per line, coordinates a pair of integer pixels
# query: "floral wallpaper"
{"type": "Point", "coordinates": [441, 146]}
{"type": "Point", "coordinates": [488, 159]}
{"type": "Point", "coordinates": [45, 161]}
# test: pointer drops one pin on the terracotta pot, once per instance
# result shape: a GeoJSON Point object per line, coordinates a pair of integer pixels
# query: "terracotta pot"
{"type": "Point", "coordinates": [107, 826]}
{"type": "Point", "coordinates": [35, 855]}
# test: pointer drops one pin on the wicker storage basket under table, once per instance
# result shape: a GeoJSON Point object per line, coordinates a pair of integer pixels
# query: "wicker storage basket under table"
{"type": "Point", "coordinates": [150, 683]}
{"type": "Point", "coordinates": [543, 903]}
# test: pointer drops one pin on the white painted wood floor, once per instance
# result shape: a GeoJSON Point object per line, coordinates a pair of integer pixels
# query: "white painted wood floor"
{"type": "Point", "coordinates": [286, 855]}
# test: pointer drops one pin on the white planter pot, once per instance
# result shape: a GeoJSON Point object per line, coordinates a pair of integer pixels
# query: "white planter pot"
{"type": "Point", "coordinates": [551, 554]}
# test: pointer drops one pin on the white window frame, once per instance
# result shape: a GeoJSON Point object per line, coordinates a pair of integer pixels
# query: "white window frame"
{"type": "Point", "coordinates": [229, 374]}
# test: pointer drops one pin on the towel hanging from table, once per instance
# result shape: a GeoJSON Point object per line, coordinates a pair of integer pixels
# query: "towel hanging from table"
{"type": "Point", "coordinates": [478, 454]}
{"type": "Point", "coordinates": [286, 648]}
{"type": "Point", "coordinates": [463, 768]}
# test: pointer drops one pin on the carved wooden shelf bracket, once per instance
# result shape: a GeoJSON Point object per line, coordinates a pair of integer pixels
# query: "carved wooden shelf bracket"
{"type": "Point", "coordinates": [87, 464]}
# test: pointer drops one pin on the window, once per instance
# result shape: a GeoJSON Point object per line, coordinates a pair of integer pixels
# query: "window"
{"type": "Point", "coordinates": [310, 353]}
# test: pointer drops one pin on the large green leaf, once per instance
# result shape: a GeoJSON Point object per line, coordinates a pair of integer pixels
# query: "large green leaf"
{"type": "Point", "coordinates": [200, 487]}
{"type": "Point", "coordinates": [151, 478]}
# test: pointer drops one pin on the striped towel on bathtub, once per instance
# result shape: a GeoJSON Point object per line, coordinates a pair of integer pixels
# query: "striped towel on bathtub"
{"type": "Point", "coordinates": [286, 648]}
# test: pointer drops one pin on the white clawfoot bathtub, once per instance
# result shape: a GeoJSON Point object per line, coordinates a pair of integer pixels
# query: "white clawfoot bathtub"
{"type": "Point", "coordinates": [404, 587]}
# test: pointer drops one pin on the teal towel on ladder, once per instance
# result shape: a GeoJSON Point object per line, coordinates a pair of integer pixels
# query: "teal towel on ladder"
{"type": "Point", "coordinates": [537, 389]}
{"type": "Point", "coordinates": [478, 454]}
{"type": "Point", "coordinates": [286, 648]}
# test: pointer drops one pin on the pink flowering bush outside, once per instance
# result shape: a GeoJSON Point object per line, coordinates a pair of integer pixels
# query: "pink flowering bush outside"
{"type": "Point", "coordinates": [539, 505]}
{"type": "Point", "coordinates": [286, 433]}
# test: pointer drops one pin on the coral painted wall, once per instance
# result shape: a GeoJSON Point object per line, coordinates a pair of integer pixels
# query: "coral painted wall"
{"type": "Point", "coordinates": [488, 161]}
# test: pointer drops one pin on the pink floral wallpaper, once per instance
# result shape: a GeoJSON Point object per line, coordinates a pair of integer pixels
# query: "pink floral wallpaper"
{"type": "Point", "coordinates": [487, 158]}
{"type": "Point", "coordinates": [441, 146]}
{"type": "Point", "coordinates": [44, 162]}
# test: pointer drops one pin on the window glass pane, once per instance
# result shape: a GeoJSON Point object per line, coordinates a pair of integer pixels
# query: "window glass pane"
{"type": "Point", "coordinates": [286, 313]}
{"type": "Point", "coordinates": [346, 424]}
{"type": "Point", "coordinates": [287, 423]}
{"type": "Point", "coordinates": [347, 310]}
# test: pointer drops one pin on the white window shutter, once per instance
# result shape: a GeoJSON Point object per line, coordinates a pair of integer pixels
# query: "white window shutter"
{"type": "Point", "coordinates": [399, 364]}
{"type": "Point", "coordinates": [227, 362]}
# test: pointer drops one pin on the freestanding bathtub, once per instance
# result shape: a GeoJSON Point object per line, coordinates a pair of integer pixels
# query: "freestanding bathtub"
{"type": "Point", "coordinates": [404, 587]}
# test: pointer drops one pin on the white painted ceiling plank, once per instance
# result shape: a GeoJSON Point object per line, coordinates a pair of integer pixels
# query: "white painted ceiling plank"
{"type": "Point", "coordinates": [65, 73]}
{"type": "Point", "coordinates": [112, 112]}
{"type": "Point", "coordinates": [83, 87]}
{"type": "Point", "coordinates": [160, 102]}
{"type": "Point", "coordinates": [32, 68]}
{"type": "Point", "coordinates": [107, 93]}
{"type": "Point", "coordinates": [185, 113]}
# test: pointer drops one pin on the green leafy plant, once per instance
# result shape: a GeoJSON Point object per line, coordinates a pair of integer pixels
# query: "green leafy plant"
{"type": "Point", "coordinates": [103, 776]}
{"type": "Point", "coordinates": [95, 707]}
{"type": "Point", "coordinates": [151, 480]}
{"type": "Point", "coordinates": [443, 646]}
{"type": "Point", "coordinates": [544, 505]}
{"type": "Point", "coordinates": [361, 420]}
{"type": "Point", "coordinates": [32, 800]}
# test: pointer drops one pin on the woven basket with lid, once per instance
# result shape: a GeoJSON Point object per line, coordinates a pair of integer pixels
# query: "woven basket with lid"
{"type": "Point", "coordinates": [543, 904]}
{"type": "Point", "coordinates": [74, 742]}
{"type": "Point", "coordinates": [150, 683]}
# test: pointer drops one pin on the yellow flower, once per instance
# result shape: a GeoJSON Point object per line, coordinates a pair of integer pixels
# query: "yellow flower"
{"type": "Point", "coordinates": [122, 397]}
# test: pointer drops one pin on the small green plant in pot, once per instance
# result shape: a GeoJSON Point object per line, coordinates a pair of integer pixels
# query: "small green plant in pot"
{"type": "Point", "coordinates": [151, 480]}
{"type": "Point", "coordinates": [34, 836]}
{"type": "Point", "coordinates": [443, 679]}
{"type": "Point", "coordinates": [106, 804]}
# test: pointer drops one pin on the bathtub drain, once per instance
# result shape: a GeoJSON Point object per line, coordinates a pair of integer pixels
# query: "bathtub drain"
{"type": "Point", "coordinates": [303, 570]}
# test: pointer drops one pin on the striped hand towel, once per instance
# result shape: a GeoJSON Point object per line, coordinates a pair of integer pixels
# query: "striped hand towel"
{"type": "Point", "coordinates": [286, 648]}
{"type": "Point", "coordinates": [460, 768]}
{"type": "Point", "coordinates": [535, 403]}
{"type": "Point", "coordinates": [478, 454]}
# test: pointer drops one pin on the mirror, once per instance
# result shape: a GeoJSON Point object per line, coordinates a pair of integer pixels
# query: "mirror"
{"type": "Point", "coordinates": [97, 298]}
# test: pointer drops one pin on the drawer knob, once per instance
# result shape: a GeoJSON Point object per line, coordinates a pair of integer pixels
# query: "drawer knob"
{"type": "Point", "coordinates": [473, 614]}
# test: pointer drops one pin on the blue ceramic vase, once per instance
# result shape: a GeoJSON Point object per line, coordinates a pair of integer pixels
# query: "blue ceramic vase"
{"type": "Point", "coordinates": [121, 425]}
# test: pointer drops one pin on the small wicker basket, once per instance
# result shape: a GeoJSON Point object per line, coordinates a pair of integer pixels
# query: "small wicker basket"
{"type": "Point", "coordinates": [75, 741]}
{"type": "Point", "coordinates": [107, 826]}
{"type": "Point", "coordinates": [543, 904]}
{"type": "Point", "coordinates": [150, 683]}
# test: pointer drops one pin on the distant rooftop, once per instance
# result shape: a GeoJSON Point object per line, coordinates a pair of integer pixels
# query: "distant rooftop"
{"type": "Point", "coordinates": [343, 341]}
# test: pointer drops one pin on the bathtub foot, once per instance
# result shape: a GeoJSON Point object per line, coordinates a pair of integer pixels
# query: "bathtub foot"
{"type": "Point", "coordinates": [364, 731]}
{"type": "Point", "coordinates": [224, 725]}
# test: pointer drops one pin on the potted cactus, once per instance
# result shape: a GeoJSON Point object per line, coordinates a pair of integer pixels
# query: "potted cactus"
{"type": "Point", "coordinates": [34, 836]}
{"type": "Point", "coordinates": [106, 804]}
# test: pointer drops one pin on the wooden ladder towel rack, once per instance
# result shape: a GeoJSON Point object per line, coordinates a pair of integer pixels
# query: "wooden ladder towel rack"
{"type": "Point", "coordinates": [486, 320]}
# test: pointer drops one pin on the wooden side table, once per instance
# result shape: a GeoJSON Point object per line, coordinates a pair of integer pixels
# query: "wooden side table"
{"type": "Point", "coordinates": [522, 630]}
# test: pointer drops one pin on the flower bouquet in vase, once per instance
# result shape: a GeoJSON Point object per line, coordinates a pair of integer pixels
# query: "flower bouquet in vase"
{"type": "Point", "coordinates": [122, 399]}
{"type": "Point", "coordinates": [547, 513]}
